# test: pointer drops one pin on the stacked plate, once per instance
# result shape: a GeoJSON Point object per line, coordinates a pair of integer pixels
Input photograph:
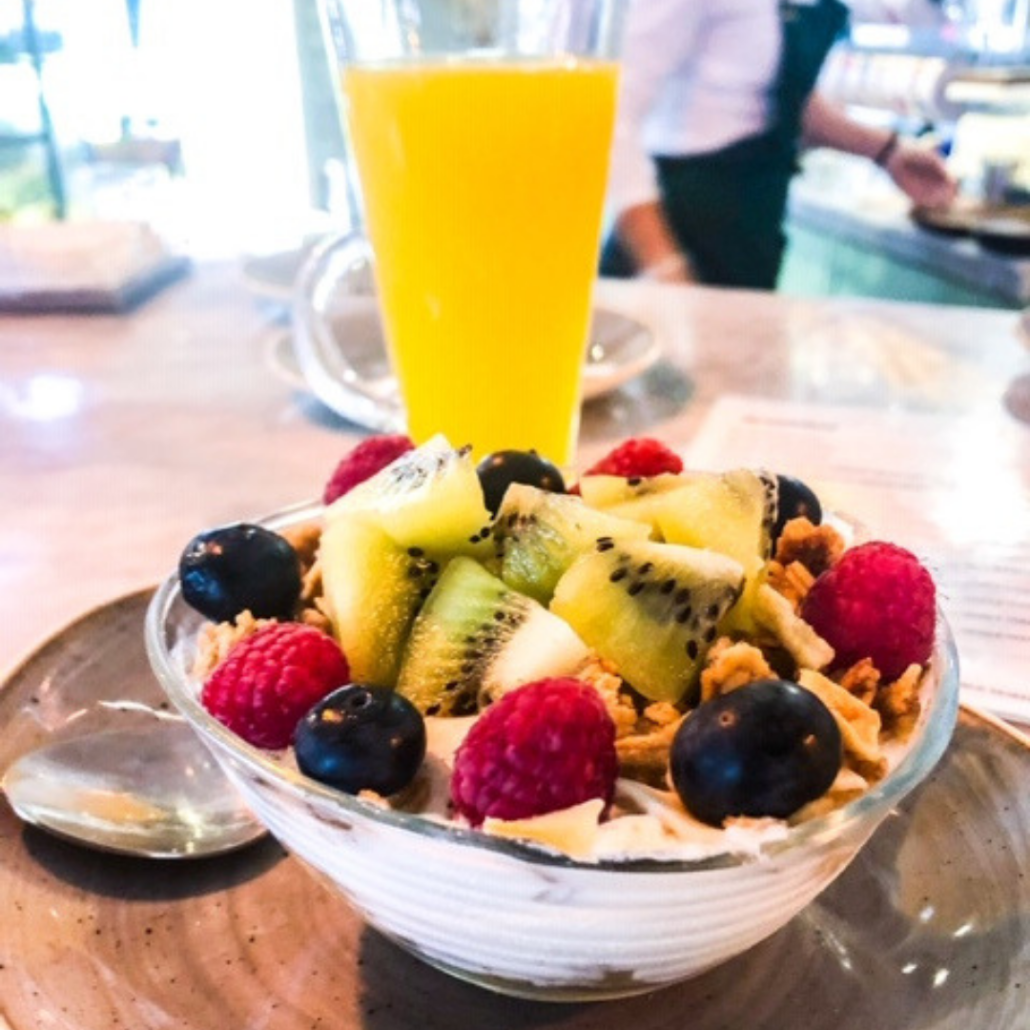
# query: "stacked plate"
{"type": "Point", "coordinates": [351, 349]}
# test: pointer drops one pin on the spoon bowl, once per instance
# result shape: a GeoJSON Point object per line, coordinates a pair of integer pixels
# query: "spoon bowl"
{"type": "Point", "coordinates": [153, 791]}
{"type": "Point", "coordinates": [91, 752]}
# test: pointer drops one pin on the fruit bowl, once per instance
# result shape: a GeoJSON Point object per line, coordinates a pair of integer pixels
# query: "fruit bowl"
{"type": "Point", "coordinates": [525, 921]}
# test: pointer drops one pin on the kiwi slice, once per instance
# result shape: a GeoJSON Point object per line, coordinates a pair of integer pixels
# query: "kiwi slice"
{"type": "Point", "coordinates": [542, 533]}
{"type": "Point", "coordinates": [628, 498]}
{"type": "Point", "coordinates": [730, 512]}
{"type": "Point", "coordinates": [476, 638]}
{"type": "Point", "coordinates": [652, 609]}
{"type": "Point", "coordinates": [373, 589]}
{"type": "Point", "coordinates": [429, 497]}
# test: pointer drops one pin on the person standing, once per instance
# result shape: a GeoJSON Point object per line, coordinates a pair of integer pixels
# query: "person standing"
{"type": "Point", "coordinates": [717, 98]}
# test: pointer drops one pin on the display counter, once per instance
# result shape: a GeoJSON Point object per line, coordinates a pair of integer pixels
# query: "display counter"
{"type": "Point", "coordinates": [850, 234]}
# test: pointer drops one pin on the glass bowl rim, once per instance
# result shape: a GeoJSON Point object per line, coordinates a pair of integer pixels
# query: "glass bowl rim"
{"type": "Point", "coordinates": [934, 732]}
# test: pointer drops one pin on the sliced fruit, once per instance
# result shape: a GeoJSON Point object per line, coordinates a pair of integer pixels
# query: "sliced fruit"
{"type": "Point", "coordinates": [476, 638]}
{"type": "Point", "coordinates": [373, 589]}
{"type": "Point", "coordinates": [571, 830]}
{"type": "Point", "coordinates": [742, 619]}
{"type": "Point", "coordinates": [730, 512]}
{"type": "Point", "coordinates": [651, 609]}
{"type": "Point", "coordinates": [429, 498]}
{"type": "Point", "coordinates": [542, 533]}
{"type": "Point", "coordinates": [615, 493]}
{"type": "Point", "coordinates": [773, 612]}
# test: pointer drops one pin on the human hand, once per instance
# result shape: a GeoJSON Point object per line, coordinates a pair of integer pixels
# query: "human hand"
{"type": "Point", "coordinates": [645, 232]}
{"type": "Point", "coordinates": [672, 268]}
{"type": "Point", "coordinates": [922, 174]}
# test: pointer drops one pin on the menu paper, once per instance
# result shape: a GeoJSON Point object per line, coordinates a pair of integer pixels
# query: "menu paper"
{"type": "Point", "coordinates": [951, 490]}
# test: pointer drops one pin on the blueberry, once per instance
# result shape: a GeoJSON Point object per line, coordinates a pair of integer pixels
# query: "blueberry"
{"type": "Point", "coordinates": [226, 570]}
{"type": "Point", "coordinates": [795, 499]}
{"type": "Point", "coordinates": [361, 738]}
{"type": "Point", "coordinates": [764, 749]}
{"type": "Point", "coordinates": [499, 470]}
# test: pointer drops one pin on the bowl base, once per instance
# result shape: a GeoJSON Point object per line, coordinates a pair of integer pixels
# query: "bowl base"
{"type": "Point", "coordinates": [615, 986]}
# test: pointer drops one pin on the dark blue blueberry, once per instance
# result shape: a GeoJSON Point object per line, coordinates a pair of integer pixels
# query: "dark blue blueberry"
{"type": "Point", "coordinates": [795, 500]}
{"type": "Point", "coordinates": [227, 570]}
{"type": "Point", "coordinates": [764, 749]}
{"type": "Point", "coordinates": [361, 738]}
{"type": "Point", "coordinates": [499, 470]}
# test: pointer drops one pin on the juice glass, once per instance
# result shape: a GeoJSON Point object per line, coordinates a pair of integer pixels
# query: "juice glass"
{"type": "Point", "coordinates": [481, 132]}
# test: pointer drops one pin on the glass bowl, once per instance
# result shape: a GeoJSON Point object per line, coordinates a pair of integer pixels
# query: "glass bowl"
{"type": "Point", "coordinates": [520, 920]}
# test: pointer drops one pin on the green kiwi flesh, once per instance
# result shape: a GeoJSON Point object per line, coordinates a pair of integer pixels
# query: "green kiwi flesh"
{"type": "Point", "coordinates": [541, 533]}
{"type": "Point", "coordinates": [731, 512]}
{"type": "Point", "coordinates": [476, 638]}
{"type": "Point", "coordinates": [651, 609]}
{"type": "Point", "coordinates": [372, 588]}
{"type": "Point", "coordinates": [626, 497]}
{"type": "Point", "coordinates": [728, 512]}
{"type": "Point", "coordinates": [429, 498]}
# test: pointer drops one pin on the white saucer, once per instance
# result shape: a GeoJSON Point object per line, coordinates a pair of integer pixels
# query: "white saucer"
{"type": "Point", "coordinates": [621, 348]}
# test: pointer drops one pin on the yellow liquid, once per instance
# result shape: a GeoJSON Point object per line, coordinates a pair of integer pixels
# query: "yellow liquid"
{"type": "Point", "coordinates": [483, 188]}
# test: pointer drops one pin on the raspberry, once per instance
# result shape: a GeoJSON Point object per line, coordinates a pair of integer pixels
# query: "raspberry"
{"type": "Point", "coordinates": [546, 746]}
{"type": "Point", "coordinates": [641, 456]}
{"type": "Point", "coordinates": [876, 602]}
{"type": "Point", "coordinates": [270, 679]}
{"type": "Point", "coordinates": [363, 462]}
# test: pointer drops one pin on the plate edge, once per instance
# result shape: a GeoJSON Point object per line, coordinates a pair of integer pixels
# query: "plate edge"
{"type": "Point", "coordinates": [996, 722]}
{"type": "Point", "coordinates": [48, 639]}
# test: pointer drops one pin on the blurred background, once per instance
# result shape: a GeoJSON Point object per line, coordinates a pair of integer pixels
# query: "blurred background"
{"type": "Point", "coordinates": [190, 114]}
{"type": "Point", "coordinates": [215, 121]}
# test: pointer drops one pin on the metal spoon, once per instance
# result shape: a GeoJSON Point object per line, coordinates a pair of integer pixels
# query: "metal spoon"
{"type": "Point", "coordinates": [151, 790]}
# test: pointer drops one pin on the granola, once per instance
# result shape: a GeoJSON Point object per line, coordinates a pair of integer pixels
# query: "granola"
{"type": "Point", "coordinates": [814, 547]}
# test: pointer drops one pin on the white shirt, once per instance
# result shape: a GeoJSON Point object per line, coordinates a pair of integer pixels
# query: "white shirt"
{"type": "Point", "coordinates": [696, 76]}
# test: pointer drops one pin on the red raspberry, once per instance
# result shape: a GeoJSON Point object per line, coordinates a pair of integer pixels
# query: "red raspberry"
{"type": "Point", "coordinates": [363, 462]}
{"type": "Point", "coordinates": [876, 602]}
{"type": "Point", "coordinates": [641, 456]}
{"type": "Point", "coordinates": [271, 678]}
{"type": "Point", "coordinates": [546, 746]}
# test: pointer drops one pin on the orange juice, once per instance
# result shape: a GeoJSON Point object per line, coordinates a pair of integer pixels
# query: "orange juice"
{"type": "Point", "coordinates": [483, 187]}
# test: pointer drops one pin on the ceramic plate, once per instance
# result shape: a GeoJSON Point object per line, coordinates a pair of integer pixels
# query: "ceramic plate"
{"type": "Point", "coordinates": [929, 929]}
{"type": "Point", "coordinates": [621, 349]}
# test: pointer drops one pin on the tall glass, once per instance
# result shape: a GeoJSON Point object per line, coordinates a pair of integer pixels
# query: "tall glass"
{"type": "Point", "coordinates": [481, 132]}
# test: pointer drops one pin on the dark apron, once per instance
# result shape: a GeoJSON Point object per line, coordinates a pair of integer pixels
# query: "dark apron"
{"type": "Point", "coordinates": [727, 207]}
